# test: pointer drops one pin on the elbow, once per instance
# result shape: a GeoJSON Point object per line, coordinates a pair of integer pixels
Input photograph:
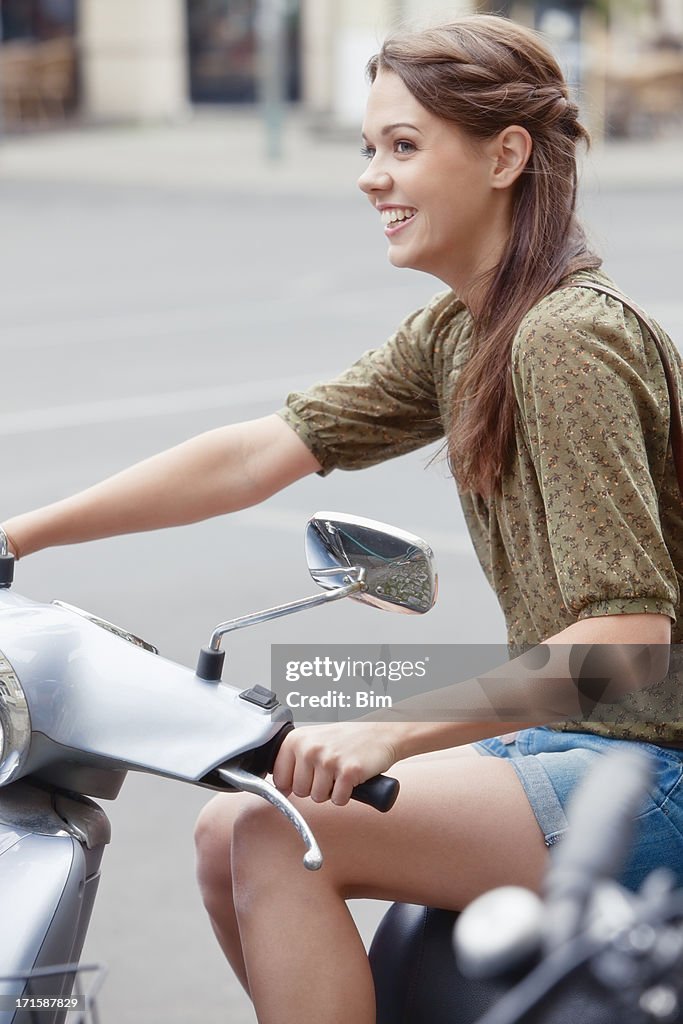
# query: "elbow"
{"type": "Point", "coordinates": [630, 653]}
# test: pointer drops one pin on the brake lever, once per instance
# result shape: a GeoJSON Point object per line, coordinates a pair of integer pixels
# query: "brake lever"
{"type": "Point", "coordinates": [245, 782]}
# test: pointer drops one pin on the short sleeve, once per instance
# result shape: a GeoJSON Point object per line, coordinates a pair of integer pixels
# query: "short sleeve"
{"type": "Point", "coordinates": [383, 406]}
{"type": "Point", "coordinates": [593, 407]}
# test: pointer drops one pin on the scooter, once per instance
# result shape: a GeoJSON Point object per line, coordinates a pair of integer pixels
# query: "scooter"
{"type": "Point", "coordinates": [82, 702]}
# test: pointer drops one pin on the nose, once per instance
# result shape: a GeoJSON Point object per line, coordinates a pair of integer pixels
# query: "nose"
{"type": "Point", "coordinates": [374, 179]}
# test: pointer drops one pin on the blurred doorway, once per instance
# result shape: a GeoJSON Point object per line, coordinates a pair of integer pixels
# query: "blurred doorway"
{"type": "Point", "coordinates": [37, 19]}
{"type": "Point", "coordinates": [223, 49]}
{"type": "Point", "coordinates": [38, 62]}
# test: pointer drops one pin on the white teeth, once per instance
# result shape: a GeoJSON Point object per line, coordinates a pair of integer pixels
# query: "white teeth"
{"type": "Point", "coordinates": [396, 215]}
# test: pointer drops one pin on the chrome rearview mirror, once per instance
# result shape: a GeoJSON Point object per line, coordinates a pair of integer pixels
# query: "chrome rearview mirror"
{"type": "Point", "coordinates": [347, 557]}
{"type": "Point", "coordinates": [397, 568]}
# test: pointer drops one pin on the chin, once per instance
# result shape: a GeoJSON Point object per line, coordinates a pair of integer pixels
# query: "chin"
{"type": "Point", "coordinates": [399, 258]}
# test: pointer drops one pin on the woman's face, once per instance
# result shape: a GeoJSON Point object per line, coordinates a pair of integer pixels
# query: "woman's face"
{"type": "Point", "coordinates": [432, 187]}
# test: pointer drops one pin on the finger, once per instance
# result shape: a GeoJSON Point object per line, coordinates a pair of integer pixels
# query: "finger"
{"type": "Point", "coordinates": [283, 769]}
{"type": "Point", "coordinates": [303, 777]}
{"type": "Point", "coordinates": [343, 787]}
{"type": "Point", "coordinates": [323, 783]}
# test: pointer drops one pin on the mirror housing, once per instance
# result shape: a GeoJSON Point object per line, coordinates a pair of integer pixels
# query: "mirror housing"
{"type": "Point", "coordinates": [397, 568]}
{"type": "Point", "coordinates": [347, 557]}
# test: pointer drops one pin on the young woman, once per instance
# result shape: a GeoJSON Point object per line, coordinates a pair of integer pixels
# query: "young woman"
{"type": "Point", "coordinates": [555, 408]}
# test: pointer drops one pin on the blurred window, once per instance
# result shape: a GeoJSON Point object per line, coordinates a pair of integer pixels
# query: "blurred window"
{"type": "Point", "coordinates": [38, 62]}
{"type": "Point", "coordinates": [37, 19]}
{"type": "Point", "coordinates": [223, 46]}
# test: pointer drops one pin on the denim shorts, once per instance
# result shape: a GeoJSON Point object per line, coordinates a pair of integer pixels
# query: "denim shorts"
{"type": "Point", "coordinates": [551, 763]}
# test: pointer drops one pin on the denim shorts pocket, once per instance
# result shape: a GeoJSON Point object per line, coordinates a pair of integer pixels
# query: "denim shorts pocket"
{"type": "Point", "coordinates": [667, 773]}
{"type": "Point", "coordinates": [672, 807]}
{"type": "Point", "coordinates": [671, 754]}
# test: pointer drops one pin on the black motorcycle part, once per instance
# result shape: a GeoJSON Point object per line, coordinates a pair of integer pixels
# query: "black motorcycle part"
{"type": "Point", "coordinates": [379, 792]}
{"type": "Point", "coordinates": [261, 760]}
{"type": "Point", "coordinates": [417, 980]}
{"type": "Point", "coordinates": [261, 696]}
{"type": "Point", "coordinates": [210, 664]}
{"type": "Point", "coordinates": [6, 571]}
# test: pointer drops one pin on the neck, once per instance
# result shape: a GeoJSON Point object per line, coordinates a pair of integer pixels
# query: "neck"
{"type": "Point", "coordinates": [470, 283]}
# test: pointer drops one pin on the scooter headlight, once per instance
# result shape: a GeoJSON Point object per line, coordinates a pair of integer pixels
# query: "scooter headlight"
{"type": "Point", "coordinates": [15, 724]}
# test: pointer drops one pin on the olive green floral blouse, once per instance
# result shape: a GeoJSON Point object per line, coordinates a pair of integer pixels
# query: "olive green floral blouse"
{"type": "Point", "coordinates": [589, 518]}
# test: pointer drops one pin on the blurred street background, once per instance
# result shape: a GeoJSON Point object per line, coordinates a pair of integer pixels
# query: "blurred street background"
{"type": "Point", "coordinates": [90, 61]}
{"type": "Point", "coordinates": [181, 244]}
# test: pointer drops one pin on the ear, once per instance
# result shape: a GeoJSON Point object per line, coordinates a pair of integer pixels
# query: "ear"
{"type": "Point", "coordinates": [510, 152]}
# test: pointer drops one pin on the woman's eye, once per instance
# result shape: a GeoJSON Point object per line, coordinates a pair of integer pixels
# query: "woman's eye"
{"type": "Point", "coordinates": [403, 146]}
{"type": "Point", "coordinates": [368, 152]}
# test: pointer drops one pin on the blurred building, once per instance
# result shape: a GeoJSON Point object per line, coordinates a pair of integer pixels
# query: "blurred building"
{"type": "Point", "coordinates": [137, 60]}
{"type": "Point", "coordinates": [150, 59]}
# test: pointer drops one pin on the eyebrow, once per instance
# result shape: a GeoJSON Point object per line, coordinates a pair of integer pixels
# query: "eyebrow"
{"type": "Point", "coordinates": [399, 124]}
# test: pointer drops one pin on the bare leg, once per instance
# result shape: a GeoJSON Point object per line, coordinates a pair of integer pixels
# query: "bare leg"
{"type": "Point", "coordinates": [459, 829]}
{"type": "Point", "coordinates": [213, 840]}
{"type": "Point", "coordinates": [213, 843]}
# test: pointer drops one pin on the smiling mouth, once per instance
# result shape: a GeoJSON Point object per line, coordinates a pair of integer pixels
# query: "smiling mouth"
{"type": "Point", "coordinates": [397, 215]}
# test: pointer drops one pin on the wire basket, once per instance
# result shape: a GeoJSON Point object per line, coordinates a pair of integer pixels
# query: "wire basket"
{"type": "Point", "coordinates": [60, 992]}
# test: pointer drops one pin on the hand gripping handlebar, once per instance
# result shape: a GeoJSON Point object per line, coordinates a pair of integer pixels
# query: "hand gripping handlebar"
{"type": "Point", "coordinates": [379, 792]}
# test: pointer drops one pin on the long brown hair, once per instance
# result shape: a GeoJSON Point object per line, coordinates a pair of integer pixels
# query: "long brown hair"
{"type": "Point", "coordinates": [484, 73]}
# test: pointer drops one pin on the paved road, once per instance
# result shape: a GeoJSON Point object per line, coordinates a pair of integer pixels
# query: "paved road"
{"type": "Point", "coordinates": [134, 317]}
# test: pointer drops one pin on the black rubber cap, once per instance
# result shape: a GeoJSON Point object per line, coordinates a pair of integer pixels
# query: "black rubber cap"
{"type": "Point", "coordinates": [6, 570]}
{"type": "Point", "coordinates": [210, 664]}
{"type": "Point", "coordinates": [379, 792]}
{"type": "Point", "coordinates": [261, 696]}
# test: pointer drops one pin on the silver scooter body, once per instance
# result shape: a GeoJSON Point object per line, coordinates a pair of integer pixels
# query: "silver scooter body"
{"type": "Point", "coordinates": [83, 702]}
{"type": "Point", "coordinates": [51, 847]}
{"type": "Point", "coordinates": [98, 706]}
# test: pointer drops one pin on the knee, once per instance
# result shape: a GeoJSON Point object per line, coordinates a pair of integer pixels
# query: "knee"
{"type": "Point", "coordinates": [267, 852]}
{"type": "Point", "coordinates": [266, 856]}
{"type": "Point", "coordinates": [258, 829]}
{"type": "Point", "coordinates": [262, 839]}
{"type": "Point", "coordinates": [213, 840]}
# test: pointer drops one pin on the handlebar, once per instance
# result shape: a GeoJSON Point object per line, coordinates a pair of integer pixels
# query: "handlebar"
{"type": "Point", "coordinates": [379, 792]}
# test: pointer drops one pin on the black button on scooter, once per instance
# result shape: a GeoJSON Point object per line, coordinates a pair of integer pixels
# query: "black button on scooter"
{"type": "Point", "coordinates": [260, 695]}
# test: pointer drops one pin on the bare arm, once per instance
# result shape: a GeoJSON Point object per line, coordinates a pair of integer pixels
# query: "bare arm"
{"type": "Point", "coordinates": [220, 471]}
{"type": "Point", "coordinates": [329, 760]}
{"type": "Point", "coordinates": [536, 691]}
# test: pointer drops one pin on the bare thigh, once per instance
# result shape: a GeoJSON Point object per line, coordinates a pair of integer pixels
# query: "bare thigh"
{"type": "Point", "coordinates": [221, 812]}
{"type": "Point", "coordinates": [462, 825]}
{"type": "Point", "coordinates": [217, 819]}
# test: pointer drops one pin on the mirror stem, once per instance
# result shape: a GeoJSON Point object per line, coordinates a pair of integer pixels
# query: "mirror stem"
{"type": "Point", "coordinates": [211, 658]}
{"type": "Point", "coordinates": [286, 609]}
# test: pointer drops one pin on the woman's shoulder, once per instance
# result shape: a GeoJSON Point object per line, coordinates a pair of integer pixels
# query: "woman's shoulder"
{"type": "Point", "coordinates": [575, 318]}
{"type": "Point", "coordinates": [576, 298]}
{"type": "Point", "coordinates": [443, 311]}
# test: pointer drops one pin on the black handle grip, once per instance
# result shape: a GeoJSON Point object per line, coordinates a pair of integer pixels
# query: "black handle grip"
{"type": "Point", "coordinates": [379, 792]}
{"type": "Point", "coordinates": [274, 745]}
{"type": "Point", "coordinates": [6, 570]}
